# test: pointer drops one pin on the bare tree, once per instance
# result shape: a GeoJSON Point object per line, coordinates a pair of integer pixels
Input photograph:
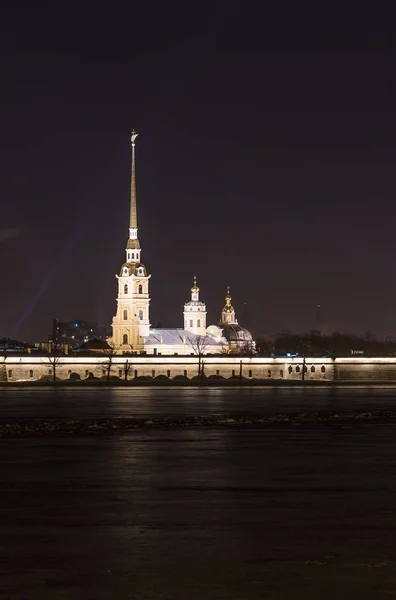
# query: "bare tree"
{"type": "Point", "coordinates": [110, 353]}
{"type": "Point", "coordinates": [199, 344]}
{"type": "Point", "coordinates": [127, 366]}
{"type": "Point", "coordinates": [53, 361]}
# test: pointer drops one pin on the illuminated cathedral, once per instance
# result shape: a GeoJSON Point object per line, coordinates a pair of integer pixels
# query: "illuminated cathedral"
{"type": "Point", "coordinates": [131, 324]}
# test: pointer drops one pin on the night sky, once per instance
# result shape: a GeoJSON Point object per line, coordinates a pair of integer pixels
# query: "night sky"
{"type": "Point", "coordinates": [265, 161]}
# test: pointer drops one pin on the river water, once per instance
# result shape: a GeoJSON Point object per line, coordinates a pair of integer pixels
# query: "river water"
{"type": "Point", "coordinates": [200, 513]}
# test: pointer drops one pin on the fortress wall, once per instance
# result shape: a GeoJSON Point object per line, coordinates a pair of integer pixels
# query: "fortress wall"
{"type": "Point", "coordinates": [32, 368]}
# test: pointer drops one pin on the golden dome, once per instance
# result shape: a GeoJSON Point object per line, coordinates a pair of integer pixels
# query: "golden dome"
{"type": "Point", "coordinates": [195, 288]}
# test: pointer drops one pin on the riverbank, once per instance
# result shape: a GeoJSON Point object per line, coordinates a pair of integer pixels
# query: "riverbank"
{"type": "Point", "coordinates": [98, 426]}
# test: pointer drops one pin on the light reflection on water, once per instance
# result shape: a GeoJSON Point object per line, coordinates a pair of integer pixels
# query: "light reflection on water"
{"type": "Point", "coordinates": [117, 402]}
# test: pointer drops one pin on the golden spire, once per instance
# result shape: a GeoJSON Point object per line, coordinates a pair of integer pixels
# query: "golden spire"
{"type": "Point", "coordinates": [133, 209]}
{"type": "Point", "coordinates": [228, 297]}
{"type": "Point", "coordinates": [195, 288]}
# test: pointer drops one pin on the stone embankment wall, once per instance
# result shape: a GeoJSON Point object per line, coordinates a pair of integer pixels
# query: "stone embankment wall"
{"type": "Point", "coordinates": [33, 368]}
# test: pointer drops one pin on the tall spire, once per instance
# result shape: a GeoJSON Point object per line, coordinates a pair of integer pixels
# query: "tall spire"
{"type": "Point", "coordinates": [133, 209]}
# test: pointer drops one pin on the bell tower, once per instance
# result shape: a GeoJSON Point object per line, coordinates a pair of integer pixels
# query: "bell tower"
{"type": "Point", "coordinates": [195, 312]}
{"type": "Point", "coordinates": [131, 324]}
{"type": "Point", "coordinates": [228, 312]}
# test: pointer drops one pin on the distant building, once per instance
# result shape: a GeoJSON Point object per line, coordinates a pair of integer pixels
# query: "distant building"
{"type": "Point", "coordinates": [76, 333]}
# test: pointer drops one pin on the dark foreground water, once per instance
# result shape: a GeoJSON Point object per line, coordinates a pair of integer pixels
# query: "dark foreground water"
{"type": "Point", "coordinates": [216, 513]}
{"type": "Point", "coordinates": [116, 402]}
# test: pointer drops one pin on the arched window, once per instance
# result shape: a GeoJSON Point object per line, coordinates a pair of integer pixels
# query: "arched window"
{"type": "Point", "coordinates": [125, 315]}
{"type": "Point", "coordinates": [323, 369]}
{"type": "Point", "coordinates": [313, 369]}
{"type": "Point", "coordinates": [199, 323]}
{"type": "Point", "coordinates": [140, 289]}
{"type": "Point", "coordinates": [191, 323]}
{"type": "Point", "coordinates": [297, 369]}
{"type": "Point", "coordinates": [125, 338]}
{"type": "Point", "coordinates": [290, 370]}
{"type": "Point", "coordinates": [125, 289]}
{"type": "Point", "coordinates": [140, 315]}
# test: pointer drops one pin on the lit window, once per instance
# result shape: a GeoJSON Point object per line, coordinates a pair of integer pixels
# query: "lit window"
{"type": "Point", "coordinates": [125, 315]}
{"type": "Point", "coordinates": [125, 338]}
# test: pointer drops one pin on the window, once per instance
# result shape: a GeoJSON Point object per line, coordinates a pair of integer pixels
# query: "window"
{"type": "Point", "coordinates": [31, 373]}
{"type": "Point", "coordinates": [233, 373]}
{"type": "Point", "coordinates": [86, 372]}
{"type": "Point", "coordinates": [141, 315]}
{"type": "Point", "coordinates": [125, 315]}
{"type": "Point", "coordinates": [250, 373]}
{"type": "Point", "coordinates": [281, 373]}
{"type": "Point", "coordinates": [191, 323]}
{"type": "Point", "coordinates": [9, 372]}
{"type": "Point", "coordinates": [125, 289]}
{"type": "Point", "coordinates": [125, 338]}
{"type": "Point", "coordinates": [297, 369]}
{"type": "Point", "coordinates": [290, 370]}
{"type": "Point", "coordinates": [168, 373]}
{"type": "Point", "coordinates": [120, 373]}
{"type": "Point", "coordinates": [103, 372]}
{"type": "Point", "coordinates": [323, 369]}
{"type": "Point", "coordinates": [269, 372]}
{"type": "Point", "coordinates": [140, 289]}
{"type": "Point", "coordinates": [136, 373]}
{"type": "Point", "coordinates": [313, 369]}
{"type": "Point", "coordinates": [133, 255]}
{"type": "Point", "coordinates": [185, 372]}
{"type": "Point", "coordinates": [199, 323]}
{"type": "Point", "coordinates": [153, 373]}
{"type": "Point", "coordinates": [217, 372]}
{"type": "Point", "coordinates": [49, 371]}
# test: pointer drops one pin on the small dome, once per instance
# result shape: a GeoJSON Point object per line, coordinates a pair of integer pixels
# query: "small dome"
{"type": "Point", "coordinates": [195, 288]}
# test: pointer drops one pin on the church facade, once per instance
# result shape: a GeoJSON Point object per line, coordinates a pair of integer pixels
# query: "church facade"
{"type": "Point", "coordinates": [131, 329]}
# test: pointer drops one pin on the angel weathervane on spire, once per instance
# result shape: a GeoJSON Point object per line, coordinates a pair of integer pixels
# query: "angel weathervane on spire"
{"type": "Point", "coordinates": [133, 136]}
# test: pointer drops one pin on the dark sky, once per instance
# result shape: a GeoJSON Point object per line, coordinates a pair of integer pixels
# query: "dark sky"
{"type": "Point", "coordinates": [265, 160]}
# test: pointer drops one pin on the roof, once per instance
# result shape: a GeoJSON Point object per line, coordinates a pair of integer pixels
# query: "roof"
{"type": "Point", "coordinates": [175, 337]}
{"type": "Point", "coordinates": [133, 244]}
{"type": "Point", "coordinates": [95, 344]}
{"type": "Point", "coordinates": [132, 268]}
{"type": "Point", "coordinates": [235, 333]}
